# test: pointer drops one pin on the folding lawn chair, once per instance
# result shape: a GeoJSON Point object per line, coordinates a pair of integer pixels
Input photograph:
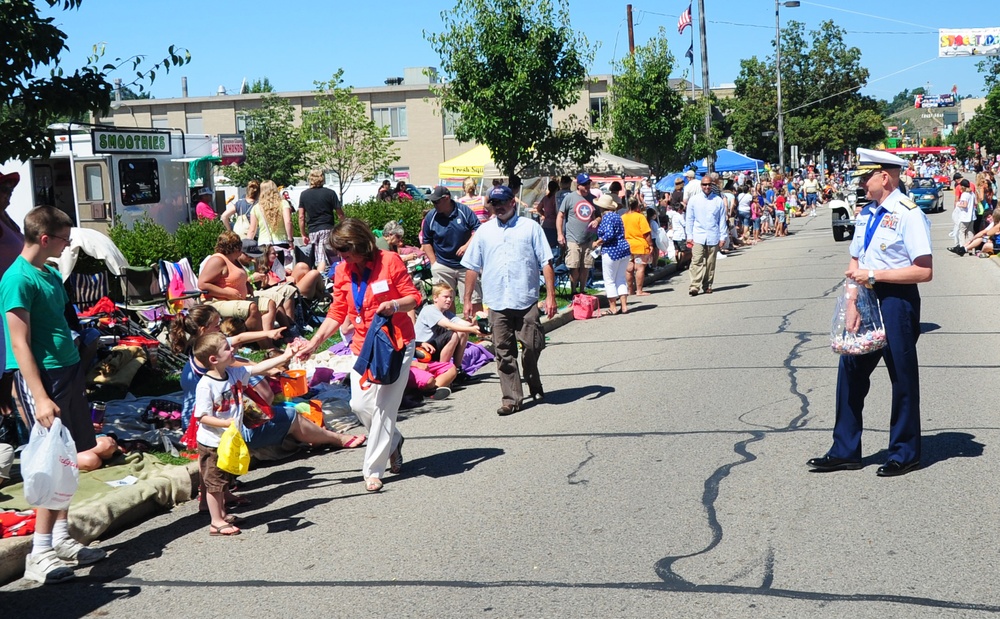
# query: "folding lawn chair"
{"type": "Point", "coordinates": [180, 285]}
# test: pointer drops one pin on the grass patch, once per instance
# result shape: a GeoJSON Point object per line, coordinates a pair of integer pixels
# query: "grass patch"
{"type": "Point", "coordinates": [166, 458]}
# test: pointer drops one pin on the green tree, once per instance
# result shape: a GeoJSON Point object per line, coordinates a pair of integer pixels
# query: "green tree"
{"type": "Point", "coordinates": [985, 125]}
{"type": "Point", "coordinates": [644, 110]}
{"type": "Point", "coordinates": [32, 96]}
{"type": "Point", "coordinates": [342, 137]}
{"type": "Point", "coordinates": [259, 86]}
{"type": "Point", "coordinates": [990, 68]}
{"type": "Point", "coordinates": [901, 101]}
{"type": "Point", "coordinates": [275, 149]}
{"type": "Point", "coordinates": [820, 78]}
{"type": "Point", "coordinates": [509, 63]}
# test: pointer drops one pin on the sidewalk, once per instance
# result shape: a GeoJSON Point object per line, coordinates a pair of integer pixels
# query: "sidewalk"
{"type": "Point", "coordinates": [98, 508]}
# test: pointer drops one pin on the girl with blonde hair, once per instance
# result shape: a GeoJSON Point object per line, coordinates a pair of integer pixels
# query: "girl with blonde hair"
{"type": "Point", "coordinates": [271, 217]}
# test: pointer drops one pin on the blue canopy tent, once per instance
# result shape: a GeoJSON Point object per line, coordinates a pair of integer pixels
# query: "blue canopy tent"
{"type": "Point", "coordinates": [729, 161]}
{"type": "Point", "coordinates": [666, 183]}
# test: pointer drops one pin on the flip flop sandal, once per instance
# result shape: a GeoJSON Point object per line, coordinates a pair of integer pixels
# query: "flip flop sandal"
{"type": "Point", "coordinates": [608, 312]}
{"type": "Point", "coordinates": [226, 531]}
{"type": "Point", "coordinates": [355, 441]}
{"type": "Point", "coordinates": [373, 484]}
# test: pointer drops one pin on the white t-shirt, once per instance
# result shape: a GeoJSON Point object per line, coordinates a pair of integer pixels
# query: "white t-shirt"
{"type": "Point", "coordinates": [677, 225]}
{"type": "Point", "coordinates": [221, 398]}
{"type": "Point", "coordinates": [693, 188]}
{"type": "Point", "coordinates": [427, 319]}
{"type": "Point", "coordinates": [966, 207]}
{"type": "Point", "coordinates": [743, 203]}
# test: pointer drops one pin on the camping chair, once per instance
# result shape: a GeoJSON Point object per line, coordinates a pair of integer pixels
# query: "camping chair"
{"type": "Point", "coordinates": [180, 285]}
{"type": "Point", "coordinates": [86, 289]}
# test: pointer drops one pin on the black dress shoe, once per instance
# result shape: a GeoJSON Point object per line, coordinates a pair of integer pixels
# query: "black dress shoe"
{"type": "Point", "coordinates": [507, 409]}
{"type": "Point", "coordinates": [893, 468]}
{"type": "Point", "coordinates": [537, 396]}
{"type": "Point", "coordinates": [693, 293]}
{"type": "Point", "coordinates": [829, 463]}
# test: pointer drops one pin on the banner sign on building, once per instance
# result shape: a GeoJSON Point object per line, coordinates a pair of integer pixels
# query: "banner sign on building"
{"type": "Point", "coordinates": [947, 100]}
{"type": "Point", "coordinates": [139, 141]}
{"type": "Point", "coordinates": [955, 42]}
{"type": "Point", "coordinates": [232, 149]}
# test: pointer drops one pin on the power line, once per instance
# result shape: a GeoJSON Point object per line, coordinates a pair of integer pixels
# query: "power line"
{"type": "Point", "coordinates": [769, 27]}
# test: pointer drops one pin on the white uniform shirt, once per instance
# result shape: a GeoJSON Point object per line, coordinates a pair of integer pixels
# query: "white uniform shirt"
{"type": "Point", "coordinates": [901, 236]}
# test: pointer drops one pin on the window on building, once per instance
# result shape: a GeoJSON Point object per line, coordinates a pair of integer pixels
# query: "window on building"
{"type": "Point", "coordinates": [93, 182]}
{"type": "Point", "coordinates": [160, 122]}
{"type": "Point", "coordinates": [392, 117]}
{"type": "Point", "coordinates": [140, 180]}
{"type": "Point", "coordinates": [598, 106]}
{"type": "Point", "coordinates": [450, 120]}
{"type": "Point", "coordinates": [195, 124]}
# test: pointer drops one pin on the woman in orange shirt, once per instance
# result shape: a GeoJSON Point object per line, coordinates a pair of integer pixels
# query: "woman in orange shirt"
{"type": "Point", "coordinates": [639, 237]}
{"type": "Point", "coordinates": [366, 282]}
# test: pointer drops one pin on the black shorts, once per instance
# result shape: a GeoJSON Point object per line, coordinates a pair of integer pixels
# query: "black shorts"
{"type": "Point", "coordinates": [440, 339]}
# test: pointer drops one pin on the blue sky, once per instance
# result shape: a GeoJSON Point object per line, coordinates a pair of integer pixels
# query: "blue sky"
{"type": "Point", "coordinates": [300, 41]}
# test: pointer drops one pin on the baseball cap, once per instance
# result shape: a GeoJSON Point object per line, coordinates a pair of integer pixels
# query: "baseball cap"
{"type": "Point", "coordinates": [251, 248]}
{"type": "Point", "coordinates": [582, 178]}
{"type": "Point", "coordinates": [439, 192]}
{"type": "Point", "coordinates": [206, 191]}
{"type": "Point", "coordinates": [501, 193]}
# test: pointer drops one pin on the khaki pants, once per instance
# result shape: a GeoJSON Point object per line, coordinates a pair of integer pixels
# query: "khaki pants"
{"type": "Point", "coordinates": [703, 266]}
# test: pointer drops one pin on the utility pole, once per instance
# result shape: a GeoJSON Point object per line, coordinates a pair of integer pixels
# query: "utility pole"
{"type": "Point", "coordinates": [631, 35]}
{"type": "Point", "coordinates": [705, 90]}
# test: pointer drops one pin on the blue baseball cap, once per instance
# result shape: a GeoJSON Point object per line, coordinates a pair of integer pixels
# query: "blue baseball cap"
{"type": "Point", "coordinates": [582, 178]}
{"type": "Point", "coordinates": [501, 193]}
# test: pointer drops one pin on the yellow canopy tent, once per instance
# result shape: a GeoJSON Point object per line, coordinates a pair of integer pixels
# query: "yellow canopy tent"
{"type": "Point", "coordinates": [477, 163]}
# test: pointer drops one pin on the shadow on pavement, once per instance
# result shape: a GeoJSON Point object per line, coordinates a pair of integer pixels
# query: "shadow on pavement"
{"type": "Point", "coordinates": [938, 447]}
{"type": "Point", "coordinates": [927, 327]}
{"type": "Point", "coordinates": [448, 463]}
{"type": "Point", "coordinates": [586, 392]}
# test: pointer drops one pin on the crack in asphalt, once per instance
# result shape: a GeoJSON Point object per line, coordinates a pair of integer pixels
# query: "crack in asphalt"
{"type": "Point", "coordinates": [664, 568]}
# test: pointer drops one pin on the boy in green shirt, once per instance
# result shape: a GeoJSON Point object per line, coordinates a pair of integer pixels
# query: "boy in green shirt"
{"type": "Point", "coordinates": [48, 380]}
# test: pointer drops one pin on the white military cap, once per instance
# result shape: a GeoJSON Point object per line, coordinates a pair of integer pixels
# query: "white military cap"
{"type": "Point", "coordinates": [869, 160]}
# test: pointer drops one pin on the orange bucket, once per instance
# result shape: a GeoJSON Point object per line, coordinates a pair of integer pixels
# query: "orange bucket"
{"type": "Point", "coordinates": [294, 384]}
{"type": "Point", "coordinates": [315, 413]}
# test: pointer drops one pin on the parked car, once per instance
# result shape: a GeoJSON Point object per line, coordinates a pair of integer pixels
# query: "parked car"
{"type": "Point", "coordinates": [926, 192]}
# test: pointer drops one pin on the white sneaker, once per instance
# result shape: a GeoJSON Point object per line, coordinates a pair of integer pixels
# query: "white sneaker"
{"type": "Point", "coordinates": [46, 568]}
{"type": "Point", "coordinates": [73, 552]}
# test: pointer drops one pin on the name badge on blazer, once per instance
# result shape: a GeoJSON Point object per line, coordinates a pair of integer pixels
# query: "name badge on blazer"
{"type": "Point", "coordinates": [380, 286]}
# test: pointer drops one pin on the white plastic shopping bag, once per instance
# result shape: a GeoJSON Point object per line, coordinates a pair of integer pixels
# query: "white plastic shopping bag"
{"type": "Point", "coordinates": [49, 467]}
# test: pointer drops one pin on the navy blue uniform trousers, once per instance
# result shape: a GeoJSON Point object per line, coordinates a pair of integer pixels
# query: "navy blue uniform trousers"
{"type": "Point", "coordinates": [901, 316]}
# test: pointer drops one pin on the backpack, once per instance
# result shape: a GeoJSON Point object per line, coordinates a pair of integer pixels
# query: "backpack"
{"type": "Point", "coordinates": [242, 223]}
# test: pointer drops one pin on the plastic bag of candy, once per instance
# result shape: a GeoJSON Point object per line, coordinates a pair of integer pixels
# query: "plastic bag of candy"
{"type": "Point", "coordinates": [857, 322]}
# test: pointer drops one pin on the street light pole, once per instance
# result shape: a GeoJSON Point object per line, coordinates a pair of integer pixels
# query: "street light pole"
{"type": "Point", "coordinates": [777, 64]}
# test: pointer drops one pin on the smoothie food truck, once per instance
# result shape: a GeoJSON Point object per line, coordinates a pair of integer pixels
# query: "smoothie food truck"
{"type": "Point", "coordinates": [97, 174]}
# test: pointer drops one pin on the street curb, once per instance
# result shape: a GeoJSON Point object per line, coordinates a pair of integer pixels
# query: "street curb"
{"type": "Point", "coordinates": [13, 550]}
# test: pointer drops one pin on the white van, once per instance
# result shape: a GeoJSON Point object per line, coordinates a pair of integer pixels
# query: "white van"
{"type": "Point", "coordinates": [96, 174]}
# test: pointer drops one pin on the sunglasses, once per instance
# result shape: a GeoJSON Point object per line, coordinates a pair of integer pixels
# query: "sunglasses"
{"type": "Point", "coordinates": [62, 238]}
{"type": "Point", "coordinates": [706, 184]}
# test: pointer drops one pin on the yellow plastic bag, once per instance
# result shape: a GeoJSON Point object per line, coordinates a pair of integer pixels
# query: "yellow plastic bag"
{"type": "Point", "coordinates": [234, 455]}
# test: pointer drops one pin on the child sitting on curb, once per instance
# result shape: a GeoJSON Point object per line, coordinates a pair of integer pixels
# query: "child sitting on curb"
{"type": "Point", "coordinates": [218, 404]}
{"type": "Point", "coordinates": [438, 326]}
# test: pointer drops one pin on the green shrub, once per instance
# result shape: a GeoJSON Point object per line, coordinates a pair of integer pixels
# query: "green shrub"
{"type": "Point", "coordinates": [145, 243]}
{"type": "Point", "coordinates": [376, 213]}
{"type": "Point", "coordinates": [197, 239]}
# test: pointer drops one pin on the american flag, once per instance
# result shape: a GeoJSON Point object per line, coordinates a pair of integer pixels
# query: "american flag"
{"type": "Point", "coordinates": [684, 21]}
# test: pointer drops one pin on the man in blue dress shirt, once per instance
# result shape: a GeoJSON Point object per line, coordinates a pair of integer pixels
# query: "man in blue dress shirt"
{"type": "Point", "coordinates": [511, 252]}
{"type": "Point", "coordinates": [890, 253]}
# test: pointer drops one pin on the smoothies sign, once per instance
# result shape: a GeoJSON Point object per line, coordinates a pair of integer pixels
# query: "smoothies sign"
{"type": "Point", "coordinates": [954, 42]}
{"type": "Point", "coordinates": [147, 141]}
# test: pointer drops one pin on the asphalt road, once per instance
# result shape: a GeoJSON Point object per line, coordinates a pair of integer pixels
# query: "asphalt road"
{"type": "Point", "coordinates": [664, 476]}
